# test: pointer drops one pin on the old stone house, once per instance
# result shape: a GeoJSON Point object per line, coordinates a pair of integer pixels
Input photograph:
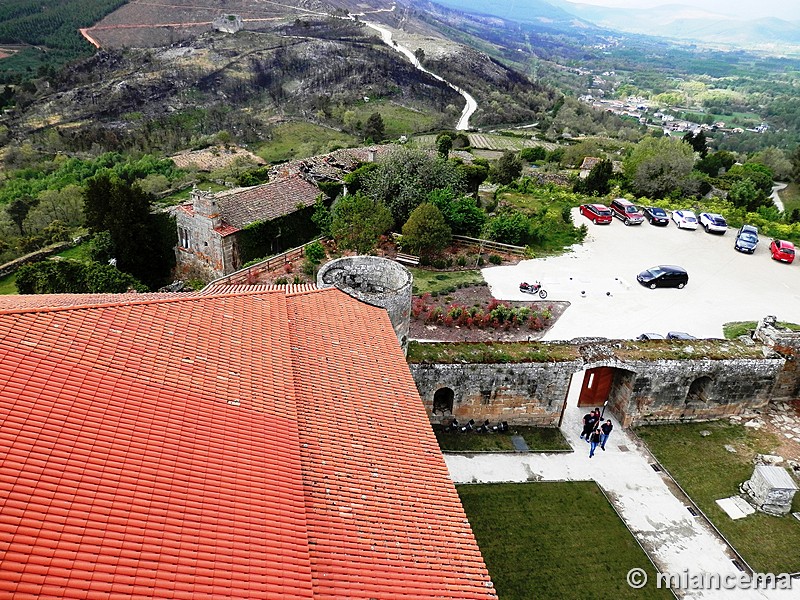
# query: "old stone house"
{"type": "Point", "coordinates": [210, 225]}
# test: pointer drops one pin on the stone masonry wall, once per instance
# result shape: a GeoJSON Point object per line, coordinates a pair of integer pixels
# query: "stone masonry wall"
{"type": "Point", "coordinates": [691, 390]}
{"type": "Point", "coordinates": [522, 394]}
{"type": "Point", "coordinates": [377, 281]}
{"type": "Point", "coordinates": [641, 392]}
{"type": "Point", "coordinates": [785, 343]}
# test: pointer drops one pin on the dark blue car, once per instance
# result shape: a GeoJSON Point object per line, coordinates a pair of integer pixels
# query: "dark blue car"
{"type": "Point", "coordinates": [746, 239]}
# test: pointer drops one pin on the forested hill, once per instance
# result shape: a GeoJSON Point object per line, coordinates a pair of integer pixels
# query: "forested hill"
{"type": "Point", "coordinates": [45, 32]}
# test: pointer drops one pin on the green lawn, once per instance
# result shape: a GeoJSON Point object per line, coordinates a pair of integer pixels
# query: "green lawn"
{"type": "Point", "coordinates": [8, 284]}
{"type": "Point", "coordinates": [299, 140]}
{"type": "Point", "coordinates": [539, 439]}
{"type": "Point", "coordinates": [734, 329]}
{"type": "Point", "coordinates": [708, 472]}
{"type": "Point", "coordinates": [441, 281]}
{"type": "Point", "coordinates": [79, 252]}
{"type": "Point", "coordinates": [397, 120]}
{"type": "Point", "coordinates": [555, 541]}
{"type": "Point", "coordinates": [790, 197]}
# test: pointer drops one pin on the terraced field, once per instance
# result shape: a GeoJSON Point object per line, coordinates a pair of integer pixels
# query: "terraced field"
{"type": "Point", "coordinates": [489, 141]}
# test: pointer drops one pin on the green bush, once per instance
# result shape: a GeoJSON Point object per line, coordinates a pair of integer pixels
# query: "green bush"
{"type": "Point", "coordinates": [495, 259]}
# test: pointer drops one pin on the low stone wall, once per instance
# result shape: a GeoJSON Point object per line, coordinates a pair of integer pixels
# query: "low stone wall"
{"type": "Point", "coordinates": [12, 266]}
{"type": "Point", "coordinates": [522, 394]}
{"type": "Point", "coordinates": [642, 391]}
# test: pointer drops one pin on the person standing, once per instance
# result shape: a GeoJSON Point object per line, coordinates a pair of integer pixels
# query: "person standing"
{"type": "Point", "coordinates": [588, 425]}
{"type": "Point", "coordinates": [605, 431]}
{"type": "Point", "coordinates": [594, 440]}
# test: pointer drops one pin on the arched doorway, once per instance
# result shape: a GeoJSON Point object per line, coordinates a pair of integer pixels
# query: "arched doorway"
{"type": "Point", "coordinates": [443, 401]}
{"type": "Point", "coordinates": [698, 390]}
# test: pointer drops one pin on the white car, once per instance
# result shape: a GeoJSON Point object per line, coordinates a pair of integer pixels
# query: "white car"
{"type": "Point", "coordinates": [712, 222]}
{"type": "Point", "coordinates": [684, 219]}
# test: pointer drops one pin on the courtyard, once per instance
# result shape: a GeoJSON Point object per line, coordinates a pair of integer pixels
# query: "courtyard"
{"type": "Point", "coordinates": [598, 279]}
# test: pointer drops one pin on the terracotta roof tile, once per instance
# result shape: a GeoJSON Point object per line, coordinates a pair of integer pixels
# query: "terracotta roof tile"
{"type": "Point", "coordinates": [242, 206]}
{"type": "Point", "coordinates": [218, 445]}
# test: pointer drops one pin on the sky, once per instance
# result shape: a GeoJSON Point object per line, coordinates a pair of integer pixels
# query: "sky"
{"type": "Point", "coordinates": [784, 9]}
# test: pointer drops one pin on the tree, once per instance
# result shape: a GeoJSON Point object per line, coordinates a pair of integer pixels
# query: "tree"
{"type": "Point", "coordinates": [462, 213]}
{"type": "Point", "coordinates": [374, 128]}
{"type": "Point", "coordinates": [776, 160]}
{"type": "Point", "coordinates": [745, 193]}
{"type": "Point", "coordinates": [321, 217]}
{"type": "Point", "coordinates": [698, 142]}
{"type": "Point", "coordinates": [716, 163]}
{"type": "Point", "coordinates": [598, 181]}
{"type": "Point", "coordinates": [142, 242]}
{"type": "Point", "coordinates": [357, 221]}
{"type": "Point", "coordinates": [426, 233]}
{"type": "Point", "coordinates": [315, 252]}
{"type": "Point", "coordinates": [444, 143]}
{"type": "Point", "coordinates": [509, 228]}
{"type": "Point", "coordinates": [534, 154]}
{"type": "Point", "coordinates": [506, 169]}
{"type": "Point", "coordinates": [759, 174]}
{"type": "Point", "coordinates": [73, 277]}
{"type": "Point", "coordinates": [660, 167]}
{"type": "Point", "coordinates": [475, 174]}
{"type": "Point", "coordinates": [795, 158]}
{"type": "Point", "coordinates": [406, 176]}
{"type": "Point", "coordinates": [18, 210]}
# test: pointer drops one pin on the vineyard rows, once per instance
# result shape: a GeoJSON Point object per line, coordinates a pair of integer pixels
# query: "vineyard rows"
{"type": "Point", "coordinates": [492, 142]}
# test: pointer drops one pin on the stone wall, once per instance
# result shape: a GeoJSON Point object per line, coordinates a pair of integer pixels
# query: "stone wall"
{"type": "Point", "coordinates": [521, 393]}
{"type": "Point", "coordinates": [377, 281]}
{"type": "Point", "coordinates": [642, 391]}
{"type": "Point", "coordinates": [691, 390]}
{"type": "Point", "coordinates": [785, 343]}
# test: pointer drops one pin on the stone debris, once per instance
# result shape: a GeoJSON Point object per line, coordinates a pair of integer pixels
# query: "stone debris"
{"type": "Point", "coordinates": [755, 424]}
{"type": "Point", "coordinates": [705, 433]}
{"type": "Point", "coordinates": [768, 459]}
{"type": "Point", "coordinates": [730, 448]}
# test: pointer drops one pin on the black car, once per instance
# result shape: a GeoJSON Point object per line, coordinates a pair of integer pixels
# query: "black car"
{"type": "Point", "coordinates": [663, 276]}
{"type": "Point", "coordinates": [656, 215]}
{"type": "Point", "coordinates": [746, 239]}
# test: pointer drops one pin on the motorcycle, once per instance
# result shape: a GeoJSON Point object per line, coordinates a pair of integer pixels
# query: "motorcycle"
{"type": "Point", "coordinates": [533, 288]}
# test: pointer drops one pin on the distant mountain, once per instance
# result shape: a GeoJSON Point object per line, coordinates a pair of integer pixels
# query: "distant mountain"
{"type": "Point", "coordinates": [521, 11]}
{"type": "Point", "coordinates": [683, 22]}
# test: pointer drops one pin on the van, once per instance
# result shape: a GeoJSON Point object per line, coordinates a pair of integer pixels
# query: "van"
{"type": "Point", "coordinates": [626, 211]}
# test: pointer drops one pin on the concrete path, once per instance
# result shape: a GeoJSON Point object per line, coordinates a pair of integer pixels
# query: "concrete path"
{"type": "Point", "coordinates": [676, 541]}
{"type": "Point", "coordinates": [775, 197]}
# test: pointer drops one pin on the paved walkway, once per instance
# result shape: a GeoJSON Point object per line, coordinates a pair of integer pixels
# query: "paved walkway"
{"type": "Point", "coordinates": [676, 541]}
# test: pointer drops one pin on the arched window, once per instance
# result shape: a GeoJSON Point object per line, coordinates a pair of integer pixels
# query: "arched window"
{"type": "Point", "coordinates": [443, 401]}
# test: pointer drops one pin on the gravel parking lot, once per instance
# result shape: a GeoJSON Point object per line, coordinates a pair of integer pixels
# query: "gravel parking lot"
{"type": "Point", "coordinates": [598, 278]}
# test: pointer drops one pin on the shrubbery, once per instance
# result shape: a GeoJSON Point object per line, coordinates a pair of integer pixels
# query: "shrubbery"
{"type": "Point", "coordinates": [496, 314]}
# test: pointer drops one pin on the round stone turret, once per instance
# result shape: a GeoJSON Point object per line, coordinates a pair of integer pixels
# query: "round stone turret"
{"type": "Point", "coordinates": [377, 281]}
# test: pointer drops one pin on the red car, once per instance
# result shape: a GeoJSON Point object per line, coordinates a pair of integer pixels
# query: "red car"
{"type": "Point", "coordinates": [597, 213]}
{"type": "Point", "coordinates": [782, 250]}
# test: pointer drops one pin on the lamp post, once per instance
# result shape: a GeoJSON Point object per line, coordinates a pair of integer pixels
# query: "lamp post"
{"type": "Point", "coordinates": [602, 412]}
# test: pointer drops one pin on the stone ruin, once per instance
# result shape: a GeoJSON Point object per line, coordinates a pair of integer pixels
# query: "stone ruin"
{"type": "Point", "coordinates": [771, 489]}
{"type": "Point", "coordinates": [228, 23]}
{"type": "Point", "coordinates": [377, 281]}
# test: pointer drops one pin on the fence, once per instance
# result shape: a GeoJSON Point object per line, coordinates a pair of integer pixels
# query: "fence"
{"type": "Point", "coordinates": [249, 275]}
{"type": "Point", "coordinates": [463, 240]}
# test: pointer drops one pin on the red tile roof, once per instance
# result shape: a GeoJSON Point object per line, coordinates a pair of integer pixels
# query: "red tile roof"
{"type": "Point", "coordinates": [259, 444]}
{"type": "Point", "coordinates": [242, 206]}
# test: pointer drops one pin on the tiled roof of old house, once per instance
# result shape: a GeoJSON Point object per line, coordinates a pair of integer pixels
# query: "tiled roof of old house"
{"type": "Point", "coordinates": [332, 166]}
{"type": "Point", "coordinates": [266, 443]}
{"type": "Point", "coordinates": [241, 206]}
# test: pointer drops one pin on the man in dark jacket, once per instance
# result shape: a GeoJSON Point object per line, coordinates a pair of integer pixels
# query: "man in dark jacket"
{"type": "Point", "coordinates": [588, 424]}
{"type": "Point", "coordinates": [594, 440]}
{"type": "Point", "coordinates": [605, 431]}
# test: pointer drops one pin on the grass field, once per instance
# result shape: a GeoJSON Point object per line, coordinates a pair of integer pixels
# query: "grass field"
{"type": "Point", "coordinates": [397, 120]}
{"type": "Point", "coordinates": [708, 472]}
{"type": "Point", "coordinates": [426, 282]}
{"type": "Point", "coordinates": [299, 140]}
{"type": "Point", "coordinates": [538, 439]}
{"type": "Point", "coordinates": [8, 284]}
{"type": "Point", "coordinates": [734, 329]}
{"type": "Point", "coordinates": [555, 541]}
{"type": "Point", "coordinates": [790, 196]}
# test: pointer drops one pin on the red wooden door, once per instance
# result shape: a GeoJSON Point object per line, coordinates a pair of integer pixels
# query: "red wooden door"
{"type": "Point", "coordinates": [596, 385]}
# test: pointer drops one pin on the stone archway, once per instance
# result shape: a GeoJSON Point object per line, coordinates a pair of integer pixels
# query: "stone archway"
{"type": "Point", "coordinates": [698, 390]}
{"type": "Point", "coordinates": [443, 401]}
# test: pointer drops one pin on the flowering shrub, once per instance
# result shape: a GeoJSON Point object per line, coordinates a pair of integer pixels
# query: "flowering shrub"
{"type": "Point", "coordinates": [496, 313]}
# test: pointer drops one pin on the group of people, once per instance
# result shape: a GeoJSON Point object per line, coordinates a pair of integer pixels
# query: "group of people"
{"type": "Point", "coordinates": [594, 432]}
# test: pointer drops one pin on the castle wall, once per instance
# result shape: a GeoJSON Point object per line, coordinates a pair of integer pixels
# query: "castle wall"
{"type": "Point", "coordinates": [641, 392]}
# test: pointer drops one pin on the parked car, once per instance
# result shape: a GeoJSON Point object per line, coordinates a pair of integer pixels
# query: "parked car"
{"type": "Point", "coordinates": [663, 276]}
{"type": "Point", "coordinates": [649, 336]}
{"type": "Point", "coordinates": [627, 211]}
{"type": "Point", "coordinates": [746, 239]}
{"type": "Point", "coordinates": [679, 335]}
{"type": "Point", "coordinates": [712, 222]}
{"type": "Point", "coordinates": [596, 213]}
{"type": "Point", "coordinates": [782, 250]}
{"type": "Point", "coordinates": [684, 219]}
{"type": "Point", "coordinates": [656, 215]}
